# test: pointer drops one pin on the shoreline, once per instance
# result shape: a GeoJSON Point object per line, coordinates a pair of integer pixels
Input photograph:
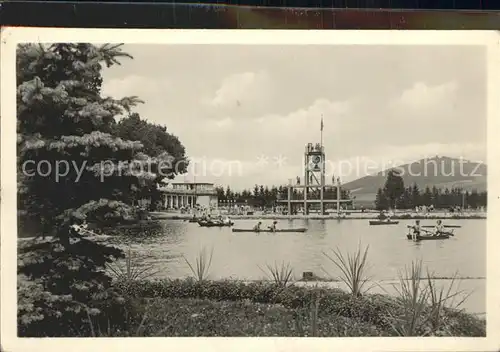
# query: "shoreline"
{"type": "Point", "coordinates": [368, 216]}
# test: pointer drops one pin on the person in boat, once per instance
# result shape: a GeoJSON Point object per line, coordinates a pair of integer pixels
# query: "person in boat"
{"type": "Point", "coordinates": [415, 230]}
{"type": "Point", "coordinates": [208, 219]}
{"type": "Point", "coordinates": [257, 227]}
{"type": "Point", "coordinates": [227, 220]}
{"type": "Point", "coordinates": [382, 215]}
{"type": "Point", "coordinates": [273, 226]}
{"type": "Point", "coordinates": [79, 227]}
{"type": "Point", "coordinates": [439, 229]}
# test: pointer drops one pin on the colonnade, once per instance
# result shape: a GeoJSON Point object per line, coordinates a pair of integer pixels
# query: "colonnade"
{"type": "Point", "coordinates": [177, 201]}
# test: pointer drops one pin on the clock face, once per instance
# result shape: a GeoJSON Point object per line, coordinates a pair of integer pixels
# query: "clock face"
{"type": "Point", "coordinates": [316, 159]}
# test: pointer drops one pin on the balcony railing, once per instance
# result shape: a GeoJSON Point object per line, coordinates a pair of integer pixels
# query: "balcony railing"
{"type": "Point", "coordinates": [181, 191]}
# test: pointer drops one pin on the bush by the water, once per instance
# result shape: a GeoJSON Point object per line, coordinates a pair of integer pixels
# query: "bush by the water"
{"type": "Point", "coordinates": [229, 308]}
{"type": "Point", "coordinates": [336, 313]}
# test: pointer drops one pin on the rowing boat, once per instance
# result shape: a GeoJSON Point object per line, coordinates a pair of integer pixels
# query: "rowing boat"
{"type": "Point", "coordinates": [269, 230]}
{"type": "Point", "coordinates": [214, 224]}
{"type": "Point", "coordinates": [383, 222]}
{"type": "Point", "coordinates": [423, 238]}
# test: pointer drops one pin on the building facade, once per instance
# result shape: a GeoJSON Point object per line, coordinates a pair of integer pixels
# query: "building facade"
{"type": "Point", "coordinates": [178, 195]}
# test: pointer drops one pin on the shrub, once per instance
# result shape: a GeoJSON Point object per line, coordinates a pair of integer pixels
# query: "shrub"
{"type": "Point", "coordinates": [201, 267]}
{"type": "Point", "coordinates": [353, 269]}
{"type": "Point", "coordinates": [282, 274]}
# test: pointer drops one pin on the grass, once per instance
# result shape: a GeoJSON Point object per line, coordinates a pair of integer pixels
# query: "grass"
{"type": "Point", "coordinates": [230, 308]}
{"type": "Point", "coordinates": [353, 268]}
{"type": "Point", "coordinates": [189, 307]}
{"type": "Point", "coordinates": [200, 269]}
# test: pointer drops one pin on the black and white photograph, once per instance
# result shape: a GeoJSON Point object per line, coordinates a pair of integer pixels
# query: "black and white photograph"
{"type": "Point", "coordinates": [270, 185]}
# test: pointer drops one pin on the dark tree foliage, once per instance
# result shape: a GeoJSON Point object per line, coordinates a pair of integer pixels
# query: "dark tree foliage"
{"type": "Point", "coordinates": [393, 188]}
{"type": "Point", "coordinates": [158, 143]}
{"type": "Point", "coordinates": [65, 126]}
{"type": "Point", "coordinates": [268, 196]}
{"type": "Point", "coordinates": [439, 198]}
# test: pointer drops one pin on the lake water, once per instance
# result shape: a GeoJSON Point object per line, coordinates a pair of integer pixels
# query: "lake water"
{"type": "Point", "coordinates": [243, 255]}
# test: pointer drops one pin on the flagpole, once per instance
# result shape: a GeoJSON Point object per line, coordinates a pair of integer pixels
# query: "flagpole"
{"type": "Point", "coordinates": [321, 136]}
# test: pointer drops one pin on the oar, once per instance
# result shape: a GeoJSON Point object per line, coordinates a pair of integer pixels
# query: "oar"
{"type": "Point", "coordinates": [91, 232]}
{"type": "Point", "coordinates": [449, 233]}
{"type": "Point", "coordinates": [427, 231]}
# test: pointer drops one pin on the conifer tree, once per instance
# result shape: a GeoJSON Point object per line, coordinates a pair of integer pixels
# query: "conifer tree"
{"type": "Point", "coordinates": [381, 202]}
{"type": "Point", "coordinates": [71, 168]}
{"type": "Point", "coordinates": [394, 187]}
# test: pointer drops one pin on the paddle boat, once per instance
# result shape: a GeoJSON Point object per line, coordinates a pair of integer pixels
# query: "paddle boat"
{"type": "Point", "coordinates": [384, 222]}
{"type": "Point", "coordinates": [426, 238]}
{"type": "Point", "coordinates": [301, 229]}
{"type": "Point", "coordinates": [205, 223]}
{"type": "Point", "coordinates": [430, 235]}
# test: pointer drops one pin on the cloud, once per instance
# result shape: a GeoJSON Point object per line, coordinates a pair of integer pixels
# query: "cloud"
{"type": "Point", "coordinates": [241, 89]}
{"type": "Point", "coordinates": [267, 100]}
{"type": "Point", "coordinates": [224, 123]}
{"type": "Point", "coordinates": [426, 101]}
{"type": "Point", "coordinates": [141, 86]}
{"type": "Point", "coordinates": [306, 121]}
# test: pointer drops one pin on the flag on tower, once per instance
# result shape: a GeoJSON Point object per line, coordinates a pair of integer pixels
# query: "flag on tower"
{"type": "Point", "coordinates": [321, 122]}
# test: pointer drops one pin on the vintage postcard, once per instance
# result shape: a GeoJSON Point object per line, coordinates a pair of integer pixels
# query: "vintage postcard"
{"type": "Point", "coordinates": [339, 186]}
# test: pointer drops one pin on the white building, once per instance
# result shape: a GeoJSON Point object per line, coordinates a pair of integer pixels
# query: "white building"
{"type": "Point", "coordinates": [189, 194]}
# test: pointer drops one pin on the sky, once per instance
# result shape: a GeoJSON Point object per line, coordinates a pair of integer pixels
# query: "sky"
{"type": "Point", "coordinates": [245, 112]}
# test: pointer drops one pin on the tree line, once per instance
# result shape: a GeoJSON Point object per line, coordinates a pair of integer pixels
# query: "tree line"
{"type": "Point", "coordinates": [394, 194]}
{"type": "Point", "coordinates": [268, 196]}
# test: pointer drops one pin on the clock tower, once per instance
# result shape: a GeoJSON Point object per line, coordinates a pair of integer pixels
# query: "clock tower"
{"type": "Point", "coordinates": [314, 175]}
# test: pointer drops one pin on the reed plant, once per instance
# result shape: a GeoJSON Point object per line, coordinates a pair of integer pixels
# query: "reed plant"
{"type": "Point", "coordinates": [412, 296]}
{"type": "Point", "coordinates": [132, 270]}
{"type": "Point", "coordinates": [353, 268]}
{"type": "Point", "coordinates": [201, 267]}
{"type": "Point", "coordinates": [281, 274]}
{"type": "Point", "coordinates": [444, 299]}
{"type": "Point", "coordinates": [424, 305]}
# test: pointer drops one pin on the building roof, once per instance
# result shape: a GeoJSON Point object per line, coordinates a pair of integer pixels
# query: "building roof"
{"type": "Point", "coordinates": [192, 183]}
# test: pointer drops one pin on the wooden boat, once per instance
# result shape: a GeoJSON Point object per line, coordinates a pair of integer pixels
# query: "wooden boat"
{"type": "Point", "coordinates": [425, 238]}
{"type": "Point", "coordinates": [383, 222]}
{"type": "Point", "coordinates": [215, 224]}
{"type": "Point", "coordinates": [445, 226]}
{"type": "Point", "coordinates": [269, 230]}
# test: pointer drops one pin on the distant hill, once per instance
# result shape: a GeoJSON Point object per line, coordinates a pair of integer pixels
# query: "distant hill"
{"type": "Point", "coordinates": [442, 172]}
